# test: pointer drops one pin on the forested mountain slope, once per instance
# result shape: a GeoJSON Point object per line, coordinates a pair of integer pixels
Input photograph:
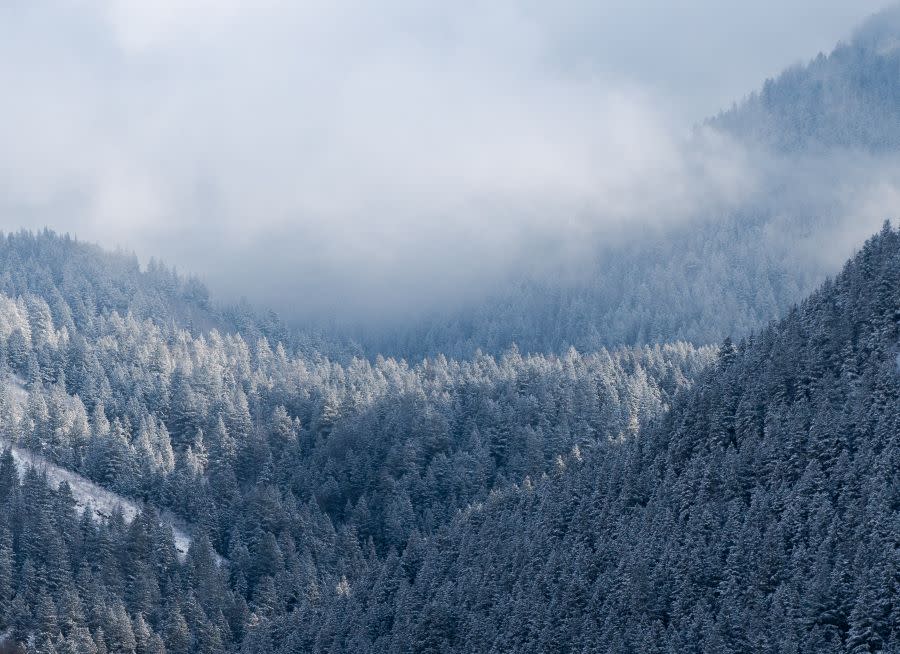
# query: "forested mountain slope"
{"type": "Point", "coordinates": [761, 514]}
{"type": "Point", "coordinates": [299, 471]}
{"type": "Point", "coordinates": [698, 283]}
{"type": "Point", "coordinates": [65, 581]}
{"type": "Point", "coordinates": [79, 280]}
{"type": "Point", "coordinates": [86, 494]}
{"type": "Point", "coordinates": [848, 99]}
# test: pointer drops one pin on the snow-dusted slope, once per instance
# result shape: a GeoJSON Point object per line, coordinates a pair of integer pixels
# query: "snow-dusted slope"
{"type": "Point", "coordinates": [85, 492]}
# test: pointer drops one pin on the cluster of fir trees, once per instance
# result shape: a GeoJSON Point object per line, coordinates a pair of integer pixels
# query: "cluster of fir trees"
{"type": "Point", "coordinates": [148, 412]}
{"type": "Point", "coordinates": [70, 585]}
{"type": "Point", "coordinates": [302, 472]}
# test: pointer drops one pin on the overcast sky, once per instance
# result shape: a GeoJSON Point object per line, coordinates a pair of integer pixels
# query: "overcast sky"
{"type": "Point", "coordinates": [329, 154]}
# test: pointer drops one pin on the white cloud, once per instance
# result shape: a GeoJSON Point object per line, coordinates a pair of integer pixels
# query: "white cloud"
{"type": "Point", "coordinates": [397, 150]}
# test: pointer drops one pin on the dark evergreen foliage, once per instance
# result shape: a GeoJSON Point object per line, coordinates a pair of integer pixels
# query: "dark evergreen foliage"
{"type": "Point", "coordinates": [68, 584]}
{"type": "Point", "coordinates": [760, 514]}
{"type": "Point", "coordinates": [298, 473]}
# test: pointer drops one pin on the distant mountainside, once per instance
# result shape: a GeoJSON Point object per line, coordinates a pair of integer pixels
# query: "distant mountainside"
{"type": "Point", "coordinates": [697, 283]}
{"type": "Point", "coordinates": [823, 146]}
{"type": "Point", "coordinates": [848, 99]}
{"type": "Point", "coordinates": [761, 514]}
{"type": "Point", "coordinates": [80, 280]}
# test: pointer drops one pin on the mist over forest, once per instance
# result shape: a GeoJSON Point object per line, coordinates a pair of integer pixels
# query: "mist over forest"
{"type": "Point", "coordinates": [494, 327]}
{"type": "Point", "coordinates": [377, 165]}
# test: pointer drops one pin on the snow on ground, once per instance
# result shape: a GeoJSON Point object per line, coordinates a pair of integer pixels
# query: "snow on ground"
{"type": "Point", "coordinates": [85, 492]}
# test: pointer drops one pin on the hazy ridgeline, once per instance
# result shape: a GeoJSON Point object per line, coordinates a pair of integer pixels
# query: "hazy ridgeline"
{"type": "Point", "coordinates": [816, 160]}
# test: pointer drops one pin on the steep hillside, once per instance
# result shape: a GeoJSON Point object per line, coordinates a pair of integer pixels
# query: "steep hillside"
{"type": "Point", "coordinates": [848, 99]}
{"type": "Point", "coordinates": [761, 514]}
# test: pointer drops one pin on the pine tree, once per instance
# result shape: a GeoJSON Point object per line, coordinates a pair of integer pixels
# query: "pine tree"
{"type": "Point", "coordinates": [83, 641]}
{"type": "Point", "coordinates": [176, 632]}
{"type": "Point", "coordinates": [46, 617]}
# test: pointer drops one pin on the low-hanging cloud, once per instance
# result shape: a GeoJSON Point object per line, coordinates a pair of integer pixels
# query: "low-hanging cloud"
{"type": "Point", "coordinates": [347, 157]}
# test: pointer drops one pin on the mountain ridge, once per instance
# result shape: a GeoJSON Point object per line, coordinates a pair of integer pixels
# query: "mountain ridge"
{"type": "Point", "coordinates": [760, 513]}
